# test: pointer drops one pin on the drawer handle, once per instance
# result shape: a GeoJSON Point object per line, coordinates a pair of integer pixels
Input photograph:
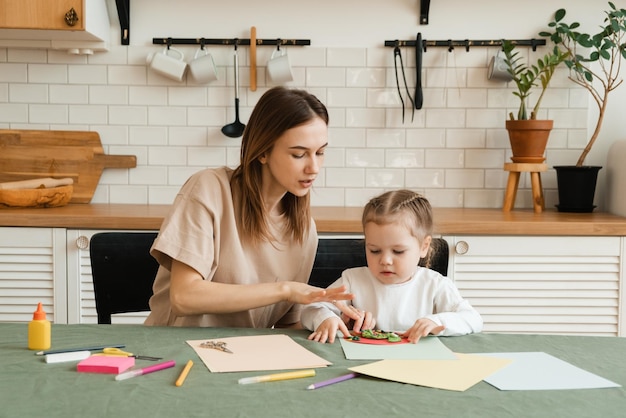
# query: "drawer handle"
{"type": "Point", "coordinates": [461, 247]}
{"type": "Point", "coordinates": [82, 242]}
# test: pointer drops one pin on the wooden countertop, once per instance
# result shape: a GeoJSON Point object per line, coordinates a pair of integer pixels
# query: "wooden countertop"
{"type": "Point", "coordinates": [448, 221]}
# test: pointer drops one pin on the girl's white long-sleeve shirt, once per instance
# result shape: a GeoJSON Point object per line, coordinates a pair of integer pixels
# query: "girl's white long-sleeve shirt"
{"type": "Point", "coordinates": [396, 307]}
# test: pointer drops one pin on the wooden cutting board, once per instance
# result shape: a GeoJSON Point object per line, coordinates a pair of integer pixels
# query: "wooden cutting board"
{"type": "Point", "coordinates": [29, 154]}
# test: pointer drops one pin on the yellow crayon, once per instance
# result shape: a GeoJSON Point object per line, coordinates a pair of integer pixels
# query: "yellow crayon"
{"type": "Point", "coordinates": [184, 373]}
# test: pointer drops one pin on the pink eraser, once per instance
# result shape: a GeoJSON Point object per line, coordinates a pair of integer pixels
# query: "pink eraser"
{"type": "Point", "coordinates": [105, 364]}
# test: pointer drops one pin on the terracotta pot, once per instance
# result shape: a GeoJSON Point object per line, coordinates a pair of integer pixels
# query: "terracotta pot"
{"type": "Point", "coordinates": [528, 139]}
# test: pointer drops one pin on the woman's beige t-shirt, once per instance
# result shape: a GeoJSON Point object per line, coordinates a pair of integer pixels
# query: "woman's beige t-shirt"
{"type": "Point", "coordinates": [201, 231]}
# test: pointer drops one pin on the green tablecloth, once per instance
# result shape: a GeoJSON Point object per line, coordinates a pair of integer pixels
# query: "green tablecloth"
{"type": "Point", "coordinates": [31, 388]}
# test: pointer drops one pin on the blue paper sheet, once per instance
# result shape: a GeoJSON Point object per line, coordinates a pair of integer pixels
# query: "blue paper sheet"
{"type": "Point", "coordinates": [541, 371]}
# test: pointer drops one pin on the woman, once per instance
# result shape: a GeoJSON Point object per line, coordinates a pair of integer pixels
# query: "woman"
{"type": "Point", "coordinates": [238, 246]}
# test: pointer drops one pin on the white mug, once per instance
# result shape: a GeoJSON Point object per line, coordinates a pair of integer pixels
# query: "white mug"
{"type": "Point", "coordinates": [498, 69]}
{"type": "Point", "coordinates": [170, 66]}
{"type": "Point", "coordinates": [202, 68]}
{"type": "Point", "coordinates": [279, 68]}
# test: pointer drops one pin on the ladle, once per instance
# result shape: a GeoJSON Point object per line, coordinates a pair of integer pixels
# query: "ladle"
{"type": "Point", "coordinates": [235, 129]}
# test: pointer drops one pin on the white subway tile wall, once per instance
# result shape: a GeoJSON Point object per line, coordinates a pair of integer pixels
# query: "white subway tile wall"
{"type": "Point", "coordinates": [452, 149]}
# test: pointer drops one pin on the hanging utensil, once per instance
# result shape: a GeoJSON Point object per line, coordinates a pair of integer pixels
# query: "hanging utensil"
{"type": "Point", "coordinates": [397, 56]}
{"type": "Point", "coordinates": [235, 129]}
{"type": "Point", "coordinates": [419, 49]}
{"type": "Point", "coordinates": [253, 58]}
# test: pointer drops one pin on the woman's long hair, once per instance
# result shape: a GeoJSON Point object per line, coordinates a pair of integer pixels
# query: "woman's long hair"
{"type": "Point", "coordinates": [277, 111]}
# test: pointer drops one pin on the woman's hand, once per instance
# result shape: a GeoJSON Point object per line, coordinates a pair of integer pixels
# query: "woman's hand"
{"type": "Point", "coordinates": [422, 328]}
{"type": "Point", "coordinates": [304, 294]}
{"type": "Point", "coordinates": [191, 295]}
{"type": "Point", "coordinates": [361, 319]}
{"type": "Point", "coordinates": [328, 330]}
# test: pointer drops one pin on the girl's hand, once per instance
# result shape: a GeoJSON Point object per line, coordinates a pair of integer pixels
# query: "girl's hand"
{"type": "Point", "coordinates": [328, 330]}
{"type": "Point", "coordinates": [422, 328]}
{"type": "Point", "coordinates": [362, 319]}
{"type": "Point", "coordinates": [304, 294]}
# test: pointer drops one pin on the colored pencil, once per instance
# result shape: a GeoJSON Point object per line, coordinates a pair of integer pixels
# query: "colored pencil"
{"type": "Point", "coordinates": [332, 381]}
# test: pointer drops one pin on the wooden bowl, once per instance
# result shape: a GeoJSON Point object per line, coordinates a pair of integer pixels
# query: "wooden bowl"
{"type": "Point", "coordinates": [36, 198]}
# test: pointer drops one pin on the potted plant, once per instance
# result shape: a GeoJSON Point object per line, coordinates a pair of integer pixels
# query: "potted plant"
{"type": "Point", "coordinates": [527, 134]}
{"type": "Point", "coordinates": [594, 61]}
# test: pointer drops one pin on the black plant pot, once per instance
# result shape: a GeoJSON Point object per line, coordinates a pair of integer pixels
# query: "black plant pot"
{"type": "Point", "coordinates": [577, 187]}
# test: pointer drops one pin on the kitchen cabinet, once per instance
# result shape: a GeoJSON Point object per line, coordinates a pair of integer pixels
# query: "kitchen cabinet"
{"type": "Point", "coordinates": [52, 266]}
{"type": "Point", "coordinates": [42, 14]}
{"type": "Point", "coordinates": [32, 270]}
{"type": "Point", "coordinates": [79, 26]}
{"type": "Point", "coordinates": [547, 284]}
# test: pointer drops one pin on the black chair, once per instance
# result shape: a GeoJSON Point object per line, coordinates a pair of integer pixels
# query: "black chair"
{"type": "Point", "coordinates": [439, 257]}
{"type": "Point", "coordinates": [123, 272]}
{"type": "Point", "coordinates": [334, 255]}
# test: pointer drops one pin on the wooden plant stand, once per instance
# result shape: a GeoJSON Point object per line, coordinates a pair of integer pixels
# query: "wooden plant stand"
{"type": "Point", "coordinates": [515, 170]}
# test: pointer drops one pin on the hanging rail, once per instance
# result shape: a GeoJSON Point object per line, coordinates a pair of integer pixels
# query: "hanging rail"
{"type": "Point", "coordinates": [466, 43]}
{"type": "Point", "coordinates": [230, 41]}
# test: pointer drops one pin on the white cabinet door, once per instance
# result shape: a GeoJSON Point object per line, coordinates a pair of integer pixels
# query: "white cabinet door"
{"type": "Point", "coordinates": [81, 299]}
{"type": "Point", "coordinates": [555, 285]}
{"type": "Point", "coordinates": [32, 270]}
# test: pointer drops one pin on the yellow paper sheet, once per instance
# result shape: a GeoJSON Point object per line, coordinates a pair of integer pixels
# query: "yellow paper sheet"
{"type": "Point", "coordinates": [459, 375]}
{"type": "Point", "coordinates": [257, 353]}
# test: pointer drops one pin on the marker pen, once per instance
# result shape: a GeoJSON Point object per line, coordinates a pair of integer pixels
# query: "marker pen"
{"type": "Point", "coordinates": [146, 370]}
{"type": "Point", "coordinates": [65, 357]}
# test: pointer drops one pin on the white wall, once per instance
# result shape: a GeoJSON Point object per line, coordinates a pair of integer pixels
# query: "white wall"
{"type": "Point", "coordinates": [348, 23]}
{"type": "Point", "coordinates": [453, 151]}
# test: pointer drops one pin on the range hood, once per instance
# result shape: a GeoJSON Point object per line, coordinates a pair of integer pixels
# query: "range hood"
{"type": "Point", "coordinates": [93, 37]}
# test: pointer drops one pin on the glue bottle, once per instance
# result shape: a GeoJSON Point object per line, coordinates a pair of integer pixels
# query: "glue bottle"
{"type": "Point", "coordinates": [39, 330]}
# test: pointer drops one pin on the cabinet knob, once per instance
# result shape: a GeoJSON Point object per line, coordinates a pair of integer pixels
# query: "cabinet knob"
{"type": "Point", "coordinates": [82, 242]}
{"type": "Point", "coordinates": [461, 247]}
{"type": "Point", "coordinates": [71, 17]}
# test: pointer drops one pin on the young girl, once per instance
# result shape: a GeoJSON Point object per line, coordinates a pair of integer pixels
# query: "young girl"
{"type": "Point", "coordinates": [237, 248]}
{"type": "Point", "coordinates": [393, 293]}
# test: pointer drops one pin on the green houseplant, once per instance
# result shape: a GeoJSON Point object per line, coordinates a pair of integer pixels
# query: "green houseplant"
{"type": "Point", "coordinates": [594, 61]}
{"type": "Point", "coordinates": [528, 135]}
